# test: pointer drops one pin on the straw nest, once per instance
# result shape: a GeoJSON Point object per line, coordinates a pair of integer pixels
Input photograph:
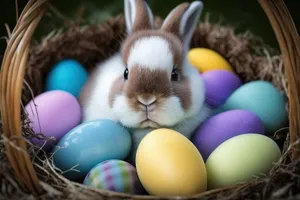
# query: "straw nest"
{"type": "Point", "coordinates": [249, 56]}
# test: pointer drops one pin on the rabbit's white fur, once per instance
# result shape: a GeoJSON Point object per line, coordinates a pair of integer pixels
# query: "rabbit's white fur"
{"type": "Point", "coordinates": [157, 56]}
{"type": "Point", "coordinates": [152, 53]}
{"type": "Point", "coordinates": [97, 105]}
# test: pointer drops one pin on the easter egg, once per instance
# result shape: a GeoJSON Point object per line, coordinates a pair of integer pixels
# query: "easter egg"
{"type": "Point", "coordinates": [206, 59]}
{"type": "Point", "coordinates": [90, 143]}
{"type": "Point", "coordinates": [219, 85]}
{"type": "Point", "coordinates": [114, 175]}
{"type": "Point", "coordinates": [168, 164]}
{"type": "Point", "coordinates": [67, 75]}
{"type": "Point", "coordinates": [240, 159]}
{"type": "Point", "coordinates": [224, 126]}
{"type": "Point", "coordinates": [264, 100]}
{"type": "Point", "coordinates": [53, 114]}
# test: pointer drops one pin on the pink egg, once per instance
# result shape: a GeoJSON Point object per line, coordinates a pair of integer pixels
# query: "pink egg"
{"type": "Point", "coordinates": [56, 112]}
{"type": "Point", "coordinates": [219, 85]}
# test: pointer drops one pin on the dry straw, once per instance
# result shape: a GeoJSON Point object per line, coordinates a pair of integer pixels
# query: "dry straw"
{"type": "Point", "coordinates": [27, 172]}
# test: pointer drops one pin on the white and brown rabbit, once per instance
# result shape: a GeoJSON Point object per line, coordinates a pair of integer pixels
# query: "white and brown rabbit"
{"type": "Point", "coordinates": [150, 84]}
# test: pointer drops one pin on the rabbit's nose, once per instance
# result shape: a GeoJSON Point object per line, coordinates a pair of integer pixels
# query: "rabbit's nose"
{"type": "Point", "coordinates": [146, 100]}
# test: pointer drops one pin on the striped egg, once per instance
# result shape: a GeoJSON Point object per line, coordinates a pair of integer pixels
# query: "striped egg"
{"type": "Point", "coordinates": [114, 175]}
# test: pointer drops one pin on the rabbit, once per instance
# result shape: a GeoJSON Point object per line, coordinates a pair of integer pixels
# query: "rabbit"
{"type": "Point", "coordinates": [150, 84]}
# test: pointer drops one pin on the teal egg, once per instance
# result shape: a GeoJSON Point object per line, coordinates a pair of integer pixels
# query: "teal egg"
{"type": "Point", "coordinates": [89, 144]}
{"type": "Point", "coordinates": [67, 75]}
{"type": "Point", "coordinates": [264, 100]}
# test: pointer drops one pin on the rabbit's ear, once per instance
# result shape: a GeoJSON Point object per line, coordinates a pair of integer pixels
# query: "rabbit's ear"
{"type": "Point", "coordinates": [138, 15]}
{"type": "Point", "coordinates": [182, 21]}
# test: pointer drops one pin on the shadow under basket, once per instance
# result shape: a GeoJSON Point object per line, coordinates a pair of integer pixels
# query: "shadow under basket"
{"type": "Point", "coordinates": [25, 172]}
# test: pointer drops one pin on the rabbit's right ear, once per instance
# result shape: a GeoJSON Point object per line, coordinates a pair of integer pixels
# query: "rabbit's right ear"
{"type": "Point", "coordinates": [138, 15]}
{"type": "Point", "coordinates": [182, 21]}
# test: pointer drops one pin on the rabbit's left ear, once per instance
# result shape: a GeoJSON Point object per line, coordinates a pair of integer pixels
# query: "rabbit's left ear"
{"type": "Point", "coordinates": [138, 15]}
{"type": "Point", "coordinates": [182, 21]}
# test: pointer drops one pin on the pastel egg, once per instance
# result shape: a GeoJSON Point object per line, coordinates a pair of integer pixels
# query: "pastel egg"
{"type": "Point", "coordinates": [206, 59]}
{"type": "Point", "coordinates": [219, 85]}
{"type": "Point", "coordinates": [89, 144]}
{"type": "Point", "coordinates": [241, 159]}
{"type": "Point", "coordinates": [67, 75]}
{"type": "Point", "coordinates": [53, 114]}
{"type": "Point", "coordinates": [114, 175]}
{"type": "Point", "coordinates": [264, 100]}
{"type": "Point", "coordinates": [224, 126]}
{"type": "Point", "coordinates": [168, 164]}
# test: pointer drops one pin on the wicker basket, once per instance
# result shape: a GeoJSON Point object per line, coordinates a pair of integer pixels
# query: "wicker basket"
{"type": "Point", "coordinates": [22, 62]}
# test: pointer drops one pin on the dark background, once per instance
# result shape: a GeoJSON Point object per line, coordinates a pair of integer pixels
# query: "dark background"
{"type": "Point", "coordinates": [244, 15]}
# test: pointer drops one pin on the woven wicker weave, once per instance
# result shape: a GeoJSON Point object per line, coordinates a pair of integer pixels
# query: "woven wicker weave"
{"type": "Point", "coordinates": [23, 62]}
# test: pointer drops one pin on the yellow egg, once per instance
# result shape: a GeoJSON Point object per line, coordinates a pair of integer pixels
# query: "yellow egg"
{"type": "Point", "coordinates": [168, 164]}
{"type": "Point", "coordinates": [206, 59]}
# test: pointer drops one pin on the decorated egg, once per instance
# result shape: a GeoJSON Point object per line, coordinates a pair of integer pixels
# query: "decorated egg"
{"type": "Point", "coordinates": [224, 126]}
{"type": "Point", "coordinates": [241, 159]}
{"type": "Point", "coordinates": [53, 114]}
{"type": "Point", "coordinates": [67, 75]}
{"type": "Point", "coordinates": [114, 175]}
{"type": "Point", "coordinates": [206, 59]}
{"type": "Point", "coordinates": [89, 144]}
{"type": "Point", "coordinates": [219, 85]}
{"type": "Point", "coordinates": [168, 164]}
{"type": "Point", "coordinates": [264, 100]}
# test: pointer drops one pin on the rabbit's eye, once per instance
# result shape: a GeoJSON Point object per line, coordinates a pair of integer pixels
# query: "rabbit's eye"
{"type": "Point", "coordinates": [126, 72]}
{"type": "Point", "coordinates": [174, 75]}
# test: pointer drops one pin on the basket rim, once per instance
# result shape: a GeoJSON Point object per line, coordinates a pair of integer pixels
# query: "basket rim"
{"type": "Point", "coordinates": [53, 38]}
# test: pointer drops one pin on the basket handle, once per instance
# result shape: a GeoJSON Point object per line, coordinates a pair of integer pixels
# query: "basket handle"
{"type": "Point", "coordinates": [11, 83]}
{"type": "Point", "coordinates": [289, 42]}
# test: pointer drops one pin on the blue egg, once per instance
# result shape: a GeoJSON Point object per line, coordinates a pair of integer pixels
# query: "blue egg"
{"type": "Point", "coordinates": [263, 99]}
{"type": "Point", "coordinates": [89, 144]}
{"type": "Point", "coordinates": [67, 75]}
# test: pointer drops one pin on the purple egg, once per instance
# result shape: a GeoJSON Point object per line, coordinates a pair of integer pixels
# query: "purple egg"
{"type": "Point", "coordinates": [224, 126]}
{"type": "Point", "coordinates": [219, 85]}
{"type": "Point", "coordinates": [56, 112]}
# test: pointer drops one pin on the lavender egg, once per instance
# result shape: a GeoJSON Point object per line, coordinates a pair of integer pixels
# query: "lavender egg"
{"type": "Point", "coordinates": [53, 114]}
{"type": "Point", "coordinates": [219, 85]}
{"type": "Point", "coordinates": [224, 126]}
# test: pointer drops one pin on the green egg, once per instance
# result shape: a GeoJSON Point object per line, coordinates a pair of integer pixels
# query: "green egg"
{"type": "Point", "coordinates": [240, 159]}
{"type": "Point", "coordinates": [264, 100]}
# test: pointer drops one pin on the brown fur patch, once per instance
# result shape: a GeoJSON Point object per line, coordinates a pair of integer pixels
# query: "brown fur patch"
{"type": "Point", "coordinates": [182, 90]}
{"type": "Point", "coordinates": [142, 81]}
{"type": "Point", "coordinates": [141, 21]}
{"type": "Point", "coordinates": [172, 24]}
{"type": "Point", "coordinates": [116, 89]}
{"type": "Point", "coordinates": [174, 43]}
{"type": "Point", "coordinates": [146, 81]}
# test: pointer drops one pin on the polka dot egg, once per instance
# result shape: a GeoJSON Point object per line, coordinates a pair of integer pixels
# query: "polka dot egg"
{"type": "Point", "coordinates": [114, 175]}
